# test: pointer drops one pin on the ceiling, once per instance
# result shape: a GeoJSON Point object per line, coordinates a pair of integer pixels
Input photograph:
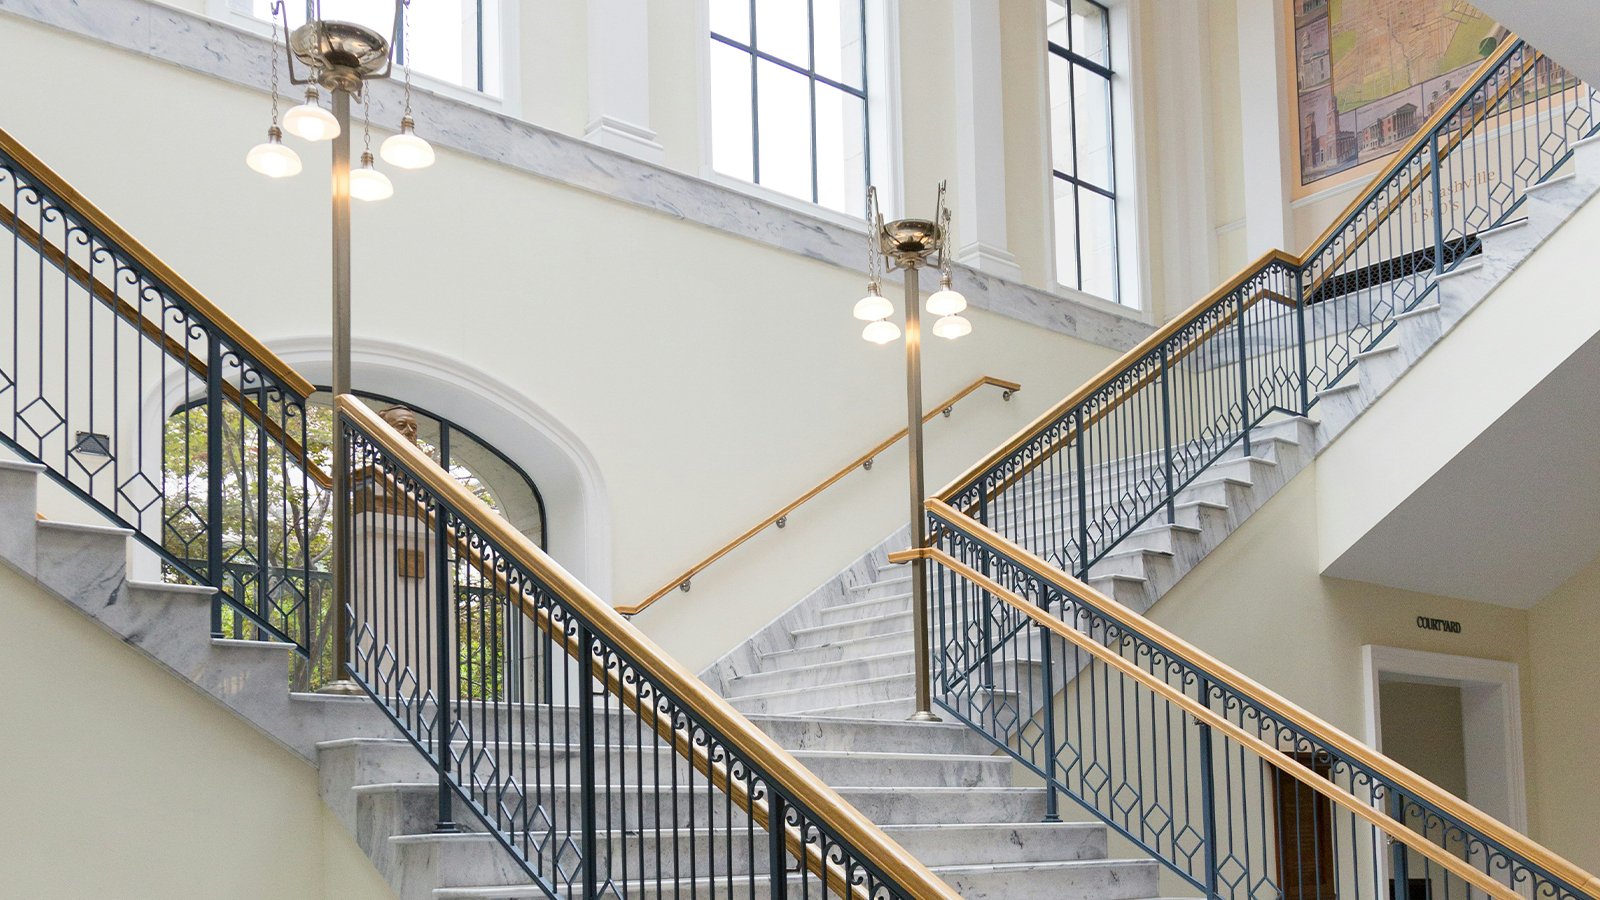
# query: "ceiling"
{"type": "Point", "coordinates": [1514, 515]}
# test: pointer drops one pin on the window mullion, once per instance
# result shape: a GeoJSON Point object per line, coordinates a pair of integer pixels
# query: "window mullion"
{"type": "Point", "coordinates": [755, 104]}
{"type": "Point", "coordinates": [811, 83]}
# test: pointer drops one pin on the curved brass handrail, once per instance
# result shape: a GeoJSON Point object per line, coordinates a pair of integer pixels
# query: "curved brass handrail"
{"type": "Point", "coordinates": [183, 290]}
{"type": "Point", "coordinates": [1222, 673]}
{"type": "Point", "coordinates": [1397, 162]}
{"type": "Point", "coordinates": [682, 581]}
{"type": "Point", "coordinates": [753, 744]}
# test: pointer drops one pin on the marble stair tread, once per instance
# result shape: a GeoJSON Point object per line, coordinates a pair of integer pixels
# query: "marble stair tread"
{"type": "Point", "coordinates": [837, 650]}
{"type": "Point", "coordinates": [880, 583]}
{"type": "Point", "coordinates": [897, 662]}
{"type": "Point", "coordinates": [885, 805]}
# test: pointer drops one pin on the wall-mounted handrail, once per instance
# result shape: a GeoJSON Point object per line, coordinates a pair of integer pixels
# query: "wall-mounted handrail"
{"type": "Point", "coordinates": [679, 708]}
{"type": "Point", "coordinates": [682, 581]}
{"type": "Point", "coordinates": [1198, 664]}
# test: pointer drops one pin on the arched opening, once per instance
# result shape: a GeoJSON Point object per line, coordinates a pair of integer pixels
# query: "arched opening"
{"type": "Point", "coordinates": [275, 541]}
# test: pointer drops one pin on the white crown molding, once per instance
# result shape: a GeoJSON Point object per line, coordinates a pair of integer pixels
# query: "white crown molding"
{"type": "Point", "coordinates": [208, 47]}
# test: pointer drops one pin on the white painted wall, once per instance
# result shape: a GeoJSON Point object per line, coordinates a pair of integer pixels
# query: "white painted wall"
{"type": "Point", "coordinates": [126, 782]}
{"type": "Point", "coordinates": [709, 379]}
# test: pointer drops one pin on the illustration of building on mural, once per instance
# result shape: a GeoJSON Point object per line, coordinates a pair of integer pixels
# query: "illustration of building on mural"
{"type": "Point", "coordinates": [1368, 73]}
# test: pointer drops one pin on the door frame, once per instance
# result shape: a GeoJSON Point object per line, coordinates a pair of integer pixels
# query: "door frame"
{"type": "Point", "coordinates": [1491, 707]}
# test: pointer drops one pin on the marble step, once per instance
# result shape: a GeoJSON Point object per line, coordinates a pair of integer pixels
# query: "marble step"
{"type": "Point", "coordinates": [738, 848]}
{"type": "Point", "coordinates": [882, 604]}
{"type": "Point", "coordinates": [559, 724]}
{"type": "Point", "coordinates": [776, 678]}
{"type": "Point", "coordinates": [893, 585]}
{"type": "Point", "coordinates": [658, 763]}
{"type": "Point", "coordinates": [412, 807]}
{"type": "Point", "coordinates": [1033, 504]}
{"type": "Point", "coordinates": [1070, 880]}
{"type": "Point", "coordinates": [833, 651]}
{"type": "Point", "coordinates": [839, 632]}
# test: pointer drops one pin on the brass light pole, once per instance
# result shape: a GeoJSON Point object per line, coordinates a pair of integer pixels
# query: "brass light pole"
{"type": "Point", "coordinates": [910, 245]}
{"type": "Point", "coordinates": [342, 57]}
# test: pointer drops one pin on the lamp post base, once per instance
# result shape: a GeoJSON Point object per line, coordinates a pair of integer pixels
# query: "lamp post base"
{"type": "Point", "coordinates": [923, 715]}
{"type": "Point", "coordinates": [344, 687]}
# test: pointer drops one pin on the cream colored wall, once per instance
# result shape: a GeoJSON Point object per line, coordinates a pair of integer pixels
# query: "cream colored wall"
{"type": "Point", "coordinates": [710, 378]}
{"type": "Point", "coordinates": [125, 782]}
{"type": "Point", "coordinates": [1563, 716]}
{"type": "Point", "coordinates": [1028, 203]}
{"type": "Point", "coordinates": [1422, 730]}
{"type": "Point", "coordinates": [553, 65]}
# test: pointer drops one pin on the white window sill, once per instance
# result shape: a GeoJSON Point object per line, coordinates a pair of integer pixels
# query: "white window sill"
{"type": "Point", "coordinates": [787, 201]}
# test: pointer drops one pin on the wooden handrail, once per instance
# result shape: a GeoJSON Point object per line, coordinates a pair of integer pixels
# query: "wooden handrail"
{"type": "Point", "coordinates": [1201, 307]}
{"type": "Point", "coordinates": [865, 459]}
{"type": "Point", "coordinates": [752, 744]}
{"type": "Point", "coordinates": [1220, 672]}
{"type": "Point", "coordinates": [146, 259]}
{"type": "Point", "coordinates": [80, 206]}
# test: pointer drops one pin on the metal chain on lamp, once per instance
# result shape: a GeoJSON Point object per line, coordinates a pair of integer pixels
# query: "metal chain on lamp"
{"type": "Point", "coordinates": [405, 150]}
{"type": "Point", "coordinates": [271, 157]}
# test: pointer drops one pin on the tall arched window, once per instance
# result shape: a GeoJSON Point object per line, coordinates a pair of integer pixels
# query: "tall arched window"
{"type": "Point", "coordinates": [789, 103]}
{"type": "Point", "coordinates": [1083, 167]}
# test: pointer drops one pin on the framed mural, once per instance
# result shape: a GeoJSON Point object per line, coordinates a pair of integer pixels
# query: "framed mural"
{"type": "Point", "coordinates": [1368, 73]}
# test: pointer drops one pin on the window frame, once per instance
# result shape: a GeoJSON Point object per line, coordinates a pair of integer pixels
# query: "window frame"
{"type": "Point", "coordinates": [1107, 72]}
{"type": "Point", "coordinates": [878, 84]}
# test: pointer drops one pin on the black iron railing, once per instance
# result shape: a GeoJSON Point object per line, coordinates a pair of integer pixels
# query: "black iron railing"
{"type": "Point", "coordinates": [631, 778]}
{"type": "Point", "coordinates": [1116, 454]}
{"type": "Point", "coordinates": [1235, 789]}
{"type": "Point", "coordinates": [102, 342]}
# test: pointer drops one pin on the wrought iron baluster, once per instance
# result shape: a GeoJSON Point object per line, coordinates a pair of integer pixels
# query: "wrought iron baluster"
{"type": "Point", "coordinates": [445, 651]}
{"type": "Point", "coordinates": [214, 476]}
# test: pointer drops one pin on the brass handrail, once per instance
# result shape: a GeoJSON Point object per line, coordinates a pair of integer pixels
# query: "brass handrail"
{"type": "Point", "coordinates": [183, 290]}
{"type": "Point", "coordinates": [1007, 387]}
{"type": "Point", "coordinates": [1222, 673]}
{"type": "Point", "coordinates": [1203, 305]}
{"type": "Point", "coordinates": [753, 744]}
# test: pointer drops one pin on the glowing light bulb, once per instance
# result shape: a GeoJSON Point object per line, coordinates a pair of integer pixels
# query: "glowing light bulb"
{"type": "Point", "coordinates": [873, 306]}
{"type": "Point", "coordinates": [405, 150]}
{"type": "Point", "coordinates": [951, 327]}
{"type": "Point", "coordinates": [272, 158]}
{"type": "Point", "coordinates": [367, 183]}
{"type": "Point", "coordinates": [880, 332]}
{"type": "Point", "coordinates": [310, 122]}
{"type": "Point", "coordinates": [946, 301]}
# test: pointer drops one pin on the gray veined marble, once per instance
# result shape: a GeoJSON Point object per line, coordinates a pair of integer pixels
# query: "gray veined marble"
{"type": "Point", "coordinates": [209, 47]}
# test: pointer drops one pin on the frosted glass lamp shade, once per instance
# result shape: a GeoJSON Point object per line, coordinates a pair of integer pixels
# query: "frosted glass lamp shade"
{"type": "Point", "coordinates": [271, 158]}
{"type": "Point", "coordinates": [367, 183]}
{"type": "Point", "coordinates": [310, 122]}
{"type": "Point", "coordinates": [880, 332]}
{"type": "Point", "coordinates": [405, 150]}
{"type": "Point", "coordinates": [946, 302]}
{"type": "Point", "coordinates": [951, 327]}
{"type": "Point", "coordinates": [873, 306]}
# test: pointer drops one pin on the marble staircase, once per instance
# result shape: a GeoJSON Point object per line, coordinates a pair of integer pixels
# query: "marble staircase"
{"type": "Point", "coordinates": [936, 789]}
